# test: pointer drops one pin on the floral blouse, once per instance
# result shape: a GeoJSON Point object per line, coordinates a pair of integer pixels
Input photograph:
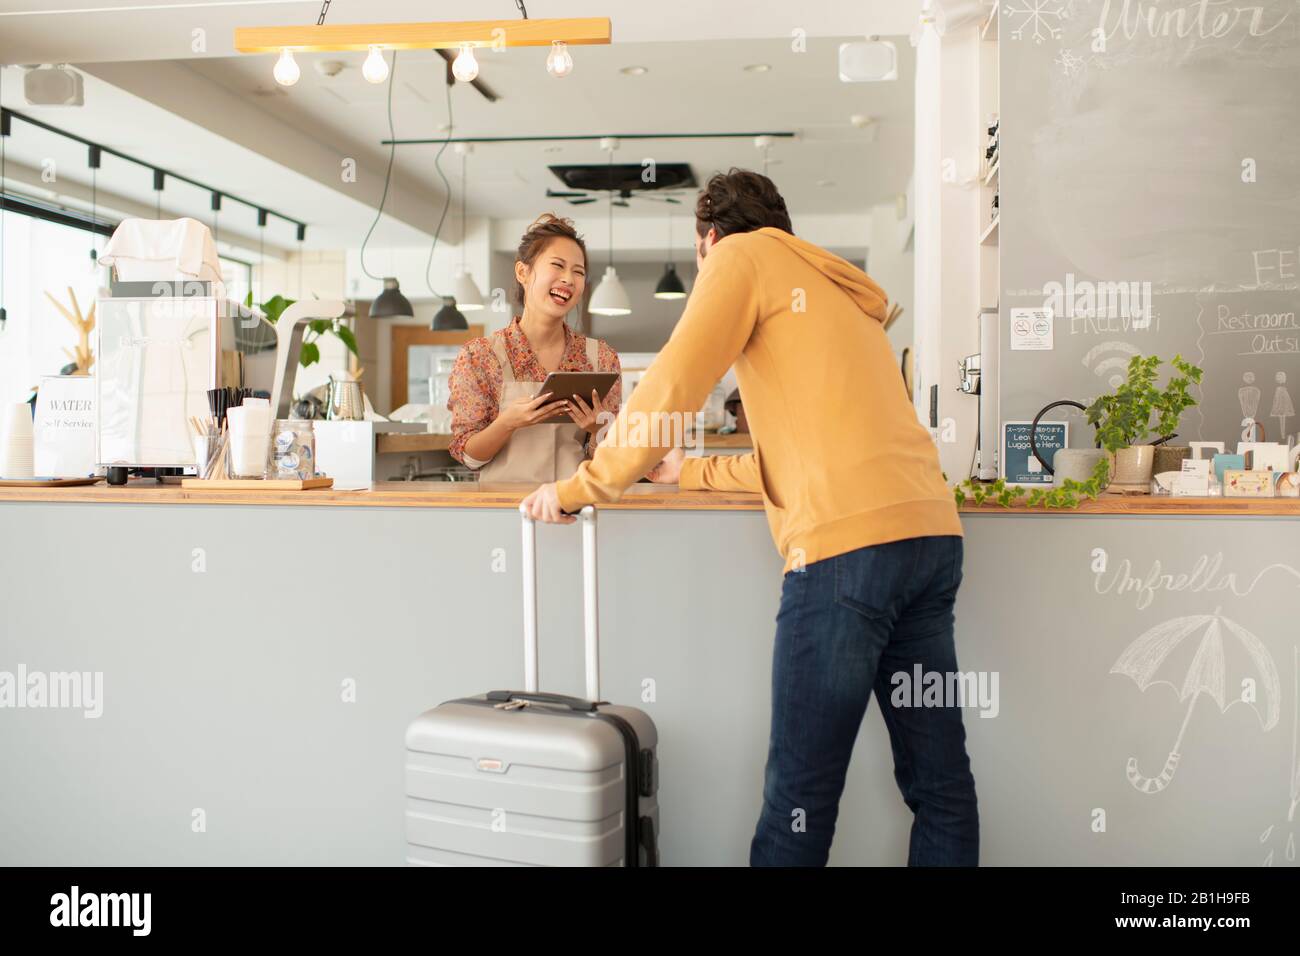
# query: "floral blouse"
{"type": "Point", "coordinates": [476, 378]}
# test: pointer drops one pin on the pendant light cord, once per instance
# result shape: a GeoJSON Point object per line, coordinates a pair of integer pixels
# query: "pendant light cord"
{"type": "Point", "coordinates": [392, 152]}
{"type": "Point", "coordinates": [446, 189]}
{"type": "Point", "coordinates": [3, 203]}
{"type": "Point", "coordinates": [611, 208]}
{"type": "Point", "coordinates": [462, 212]}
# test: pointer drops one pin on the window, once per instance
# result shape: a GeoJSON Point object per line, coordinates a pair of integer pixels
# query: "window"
{"type": "Point", "coordinates": [41, 257]}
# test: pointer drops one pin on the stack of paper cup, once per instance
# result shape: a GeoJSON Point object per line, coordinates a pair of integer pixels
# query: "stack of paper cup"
{"type": "Point", "coordinates": [16, 443]}
{"type": "Point", "coordinates": [250, 437]}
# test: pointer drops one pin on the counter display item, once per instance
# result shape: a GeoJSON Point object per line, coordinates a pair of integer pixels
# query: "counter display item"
{"type": "Point", "coordinates": [1247, 484]}
{"type": "Point", "coordinates": [16, 442]}
{"type": "Point", "coordinates": [249, 428]}
{"type": "Point", "coordinates": [1287, 485]}
{"type": "Point", "coordinates": [293, 449]}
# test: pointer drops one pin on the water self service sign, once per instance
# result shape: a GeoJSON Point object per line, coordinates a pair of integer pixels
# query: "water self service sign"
{"type": "Point", "coordinates": [1019, 466]}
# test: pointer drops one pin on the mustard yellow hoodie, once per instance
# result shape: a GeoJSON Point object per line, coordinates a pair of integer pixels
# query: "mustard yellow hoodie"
{"type": "Point", "coordinates": [839, 456]}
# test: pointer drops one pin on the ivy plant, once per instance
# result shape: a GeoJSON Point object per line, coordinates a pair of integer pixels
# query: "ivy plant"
{"type": "Point", "coordinates": [1123, 418]}
{"type": "Point", "coordinates": [1069, 495]}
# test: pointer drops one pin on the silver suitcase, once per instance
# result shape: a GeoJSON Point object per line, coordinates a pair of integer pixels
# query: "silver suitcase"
{"type": "Point", "coordinates": [522, 778]}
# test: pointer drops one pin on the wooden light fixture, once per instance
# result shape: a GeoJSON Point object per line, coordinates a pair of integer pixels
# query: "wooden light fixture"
{"type": "Point", "coordinates": [495, 34]}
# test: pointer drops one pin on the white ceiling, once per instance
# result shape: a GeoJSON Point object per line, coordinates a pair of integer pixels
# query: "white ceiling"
{"type": "Point", "coordinates": [222, 120]}
{"type": "Point", "coordinates": [85, 31]}
{"type": "Point", "coordinates": [692, 86]}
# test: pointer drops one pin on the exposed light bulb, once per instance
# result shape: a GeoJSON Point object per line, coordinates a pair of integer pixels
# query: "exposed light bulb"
{"type": "Point", "coordinates": [286, 70]}
{"type": "Point", "coordinates": [465, 67]}
{"type": "Point", "coordinates": [559, 62]}
{"type": "Point", "coordinates": [375, 69]}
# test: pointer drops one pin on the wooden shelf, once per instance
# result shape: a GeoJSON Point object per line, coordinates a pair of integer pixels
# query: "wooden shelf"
{"type": "Point", "coordinates": [396, 443]}
{"type": "Point", "coordinates": [387, 494]}
{"type": "Point", "coordinates": [1154, 505]}
{"type": "Point", "coordinates": [409, 443]}
{"type": "Point", "coordinates": [990, 235]}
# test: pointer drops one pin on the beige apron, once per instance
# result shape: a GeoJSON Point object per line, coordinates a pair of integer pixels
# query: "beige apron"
{"type": "Point", "coordinates": [536, 454]}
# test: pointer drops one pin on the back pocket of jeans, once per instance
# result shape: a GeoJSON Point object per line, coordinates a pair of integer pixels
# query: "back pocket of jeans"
{"type": "Point", "coordinates": [867, 581]}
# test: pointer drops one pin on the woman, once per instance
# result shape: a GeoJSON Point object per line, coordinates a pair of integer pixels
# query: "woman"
{"type": "Point", "coordinates": [497, 425]}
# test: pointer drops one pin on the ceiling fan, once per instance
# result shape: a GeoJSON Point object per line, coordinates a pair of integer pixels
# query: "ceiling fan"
{"type": "Point", "coordinates": [617, 197]}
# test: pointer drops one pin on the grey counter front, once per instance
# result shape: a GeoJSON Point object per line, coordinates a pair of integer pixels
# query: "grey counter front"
{"type": "Point", "coordinates": [262, 655]}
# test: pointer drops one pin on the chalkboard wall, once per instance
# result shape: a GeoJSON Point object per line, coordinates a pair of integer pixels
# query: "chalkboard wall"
{"type": "Point", "coordinates": [1150, 166]}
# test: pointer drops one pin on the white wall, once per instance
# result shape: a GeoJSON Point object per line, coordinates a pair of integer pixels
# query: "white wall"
{"type": "Point", "coordinates": [947, 233]}
{"type": "Point", "coordinates": [319, 273]}
{"type": "Point", "coordinates": [890, 263]}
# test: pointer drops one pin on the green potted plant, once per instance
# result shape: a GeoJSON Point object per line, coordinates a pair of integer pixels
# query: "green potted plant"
{"type": "Point", "coordinates": [1169, 405]}
{"type": "Point", "coordinates": [1123, 418]}
{"type": "Point", "coordinates": [274, 307]}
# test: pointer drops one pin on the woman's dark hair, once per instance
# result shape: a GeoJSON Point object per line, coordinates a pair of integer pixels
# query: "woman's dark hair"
{"type": "Point", "coordinates": [740, 201]}
{"type": "Point", "coordinates": [536, 237]}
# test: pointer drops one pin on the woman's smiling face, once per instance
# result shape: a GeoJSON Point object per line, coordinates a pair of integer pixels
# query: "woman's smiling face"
{"type": "Point", "coordinates": [555, 282]}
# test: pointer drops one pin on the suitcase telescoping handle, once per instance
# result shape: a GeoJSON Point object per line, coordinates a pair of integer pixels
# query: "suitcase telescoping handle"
{"type": "Point", "coordinates": [591, 625]}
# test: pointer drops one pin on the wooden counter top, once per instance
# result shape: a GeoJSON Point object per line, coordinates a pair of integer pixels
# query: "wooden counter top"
{"type": "Point", "coordinates": [439, 494]}
{"type": "Point", "coordinates": [392, 494]}
{"type": "Point", "coordinates": [394, 443]}
{"type": "Point", "coordinates": [1157, 505]}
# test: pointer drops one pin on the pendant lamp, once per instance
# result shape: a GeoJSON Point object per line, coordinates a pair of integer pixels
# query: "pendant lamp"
{"type": "Point", "coordinates": [610, 298]}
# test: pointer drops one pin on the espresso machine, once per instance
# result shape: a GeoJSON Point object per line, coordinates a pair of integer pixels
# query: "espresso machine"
{"type": "Point", "coordinates": [166, 334]}
{"type": "Point", "coordinates": [161, 346]}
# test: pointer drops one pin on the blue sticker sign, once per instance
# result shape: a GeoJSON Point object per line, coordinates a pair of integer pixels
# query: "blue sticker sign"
{"type": "Point", "coordinates": [1019, 466]}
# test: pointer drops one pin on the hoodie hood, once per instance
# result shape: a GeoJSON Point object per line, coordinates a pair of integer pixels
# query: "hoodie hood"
{"type": "Point", "coordinates": [859, 287]}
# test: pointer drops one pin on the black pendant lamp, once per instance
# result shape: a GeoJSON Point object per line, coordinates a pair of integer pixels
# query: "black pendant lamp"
{"type": "Point", "coordinates": [449, 318]}
{"type": "Point", "coordinates": [391, 304]}
{"type": "Point", "coordinates": [670, 284]}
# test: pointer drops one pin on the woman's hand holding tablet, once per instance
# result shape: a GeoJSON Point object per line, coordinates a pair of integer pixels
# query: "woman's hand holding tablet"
{"type": "Point", "coordinates": [570, 385]}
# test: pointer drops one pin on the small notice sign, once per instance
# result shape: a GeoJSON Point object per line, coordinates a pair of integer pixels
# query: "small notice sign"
{"type": "Point", "coordinates": [1019, 466]}
{"type": "Point", "coordinates": [64, 427]}
{"type": "Point", "coordinates": [1031, 330]}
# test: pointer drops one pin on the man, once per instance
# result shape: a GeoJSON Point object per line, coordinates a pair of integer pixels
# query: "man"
{"type": "Point", "coordinates": [856, 503]}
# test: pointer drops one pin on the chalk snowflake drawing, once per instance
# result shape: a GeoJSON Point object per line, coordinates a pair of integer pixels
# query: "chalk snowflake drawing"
{"type": "Point", "coordinates": [1156, 658]}
{"type": "Point", "coordinates": [1044, 17]}
{"type": "Point", "coordinates": [1286, 833]}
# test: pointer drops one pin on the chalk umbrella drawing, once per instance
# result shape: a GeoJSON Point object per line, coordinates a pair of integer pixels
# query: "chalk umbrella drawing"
{"type": "Point", "coordinates": [1288, 845]}
{"type": "Point", "coordinates": [1211, 667]}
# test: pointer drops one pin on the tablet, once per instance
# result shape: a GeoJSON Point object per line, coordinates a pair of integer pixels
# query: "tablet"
{"type": "Point", "coordinates": [564, 385]}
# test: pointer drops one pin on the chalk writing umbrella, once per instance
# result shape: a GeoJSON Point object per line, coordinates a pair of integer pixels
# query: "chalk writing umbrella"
{"type": "Point", "coordinates": [1289, 847]}
{"type": "Point", "coordinates": [1166, 655]}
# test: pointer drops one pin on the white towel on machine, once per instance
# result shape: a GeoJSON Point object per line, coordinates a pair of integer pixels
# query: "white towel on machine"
{"type": "Point", "coordinates": [143, 250]}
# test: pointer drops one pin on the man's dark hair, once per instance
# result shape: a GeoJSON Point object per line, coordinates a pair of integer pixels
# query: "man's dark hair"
{"type": "Point", "coordinates": [740, 200]}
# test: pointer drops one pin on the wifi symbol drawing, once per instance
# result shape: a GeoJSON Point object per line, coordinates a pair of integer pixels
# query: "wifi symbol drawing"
{"type": "Point", "coordinates": [1117, 365]}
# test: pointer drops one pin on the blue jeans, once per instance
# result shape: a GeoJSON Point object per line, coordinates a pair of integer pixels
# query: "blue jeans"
{"type": "Point", "coordinates": [846, 626]}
